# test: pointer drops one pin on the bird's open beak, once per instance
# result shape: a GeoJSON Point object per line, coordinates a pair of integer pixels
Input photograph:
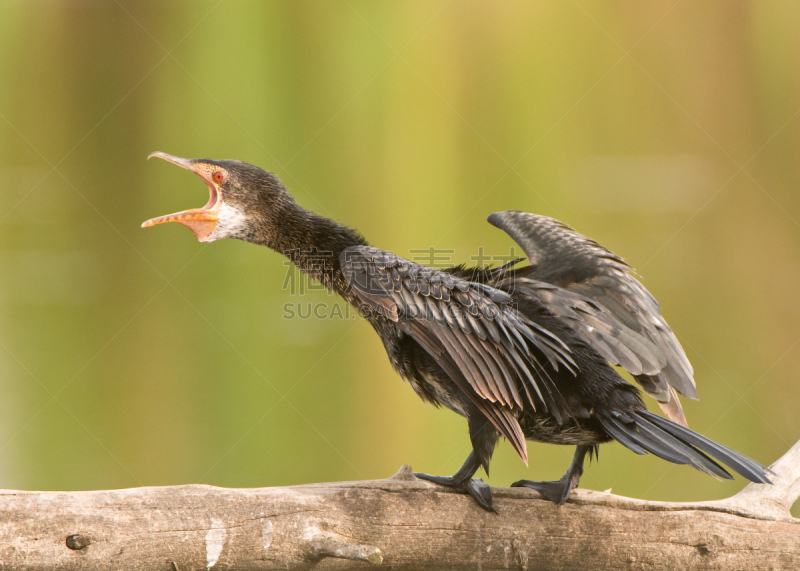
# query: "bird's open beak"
{"type": "Point", "coordinates": [201, 221]}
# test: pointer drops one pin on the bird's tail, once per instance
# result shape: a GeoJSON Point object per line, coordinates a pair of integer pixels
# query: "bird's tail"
{"type": "Point", "coordinates": [642, 431]}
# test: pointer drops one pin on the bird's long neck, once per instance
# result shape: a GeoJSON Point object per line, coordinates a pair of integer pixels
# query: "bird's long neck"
{"type": "Point", "coordinates": [313, 243]}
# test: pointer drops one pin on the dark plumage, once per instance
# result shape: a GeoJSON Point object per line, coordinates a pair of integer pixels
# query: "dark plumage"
{"type": "Point", "coordinates": [520, 352]}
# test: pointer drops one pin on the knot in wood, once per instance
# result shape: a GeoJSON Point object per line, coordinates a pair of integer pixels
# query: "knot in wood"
{"type": "Point", "coordinates": [78, 541]}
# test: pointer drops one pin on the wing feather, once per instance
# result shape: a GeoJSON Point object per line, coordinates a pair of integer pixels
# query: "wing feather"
{"type": "Point", "coordinates": [491, 351]}
{"type": "Point", "coordinates": [592, 290]}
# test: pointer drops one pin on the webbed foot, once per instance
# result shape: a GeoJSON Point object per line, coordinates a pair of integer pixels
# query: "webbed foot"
{"type": "Point", "coordinates": [475, 487]}
{"type": "Point", "coordinates": [556, 492]}
{"type": "Point", "coordinates": [559, 490]}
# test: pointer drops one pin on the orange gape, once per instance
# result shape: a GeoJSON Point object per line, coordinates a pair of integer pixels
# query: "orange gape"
{"type": "Point", "coordinates": [201, 221]}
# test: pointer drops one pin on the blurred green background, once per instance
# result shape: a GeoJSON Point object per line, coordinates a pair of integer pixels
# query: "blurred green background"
{"type": "Point", "coordinates": [667, 131]}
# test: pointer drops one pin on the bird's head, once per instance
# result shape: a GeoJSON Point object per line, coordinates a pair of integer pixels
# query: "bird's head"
{"type": "Point", "coordinates": [244, 200]}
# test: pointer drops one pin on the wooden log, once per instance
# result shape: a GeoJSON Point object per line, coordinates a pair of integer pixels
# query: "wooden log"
{"type": "Point", "coordinates": [402, 523]}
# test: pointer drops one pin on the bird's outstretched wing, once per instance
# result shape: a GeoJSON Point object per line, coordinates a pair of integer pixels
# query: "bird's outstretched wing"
{"type": "Point", "coordinates": [609, 309]}
{"type": "Point", "coordinates": [496, 355]}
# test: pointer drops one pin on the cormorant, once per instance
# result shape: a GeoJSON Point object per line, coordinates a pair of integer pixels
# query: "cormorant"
{"type": "Point", "coordinates": [521, 352]}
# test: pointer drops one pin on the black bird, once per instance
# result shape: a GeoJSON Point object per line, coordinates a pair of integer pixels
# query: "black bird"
{"type": "Point", "coordinates": [520, 352]}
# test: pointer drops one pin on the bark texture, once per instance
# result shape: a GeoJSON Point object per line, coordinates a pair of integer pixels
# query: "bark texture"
{"type": "Point", "coordinates": [399, 523]}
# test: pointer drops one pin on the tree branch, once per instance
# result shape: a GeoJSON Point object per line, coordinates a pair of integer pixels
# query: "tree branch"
{"type": "Point", "coordinates": [402, 523]}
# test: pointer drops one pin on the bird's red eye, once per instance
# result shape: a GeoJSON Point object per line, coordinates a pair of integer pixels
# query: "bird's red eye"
{"type": "Point", "coordinates": [219, 176]}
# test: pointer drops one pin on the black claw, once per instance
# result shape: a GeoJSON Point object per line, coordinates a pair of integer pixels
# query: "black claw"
{"type": "Point", "coordinates": [441, 480]}
{"type": "Point", "coordinates": [557, 492]}
{"type": "Point", "coordinates": [482, 493]}
{"type": "Point", "coordinates": [475, 487]}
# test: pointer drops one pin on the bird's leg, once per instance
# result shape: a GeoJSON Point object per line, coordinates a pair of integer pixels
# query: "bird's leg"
{"type": "Point", "coordinates": [483, 437]}
{"type": "Point", "coordinates": [559, 490]}
{"type": "Point", "coordinates": [463, 481]}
